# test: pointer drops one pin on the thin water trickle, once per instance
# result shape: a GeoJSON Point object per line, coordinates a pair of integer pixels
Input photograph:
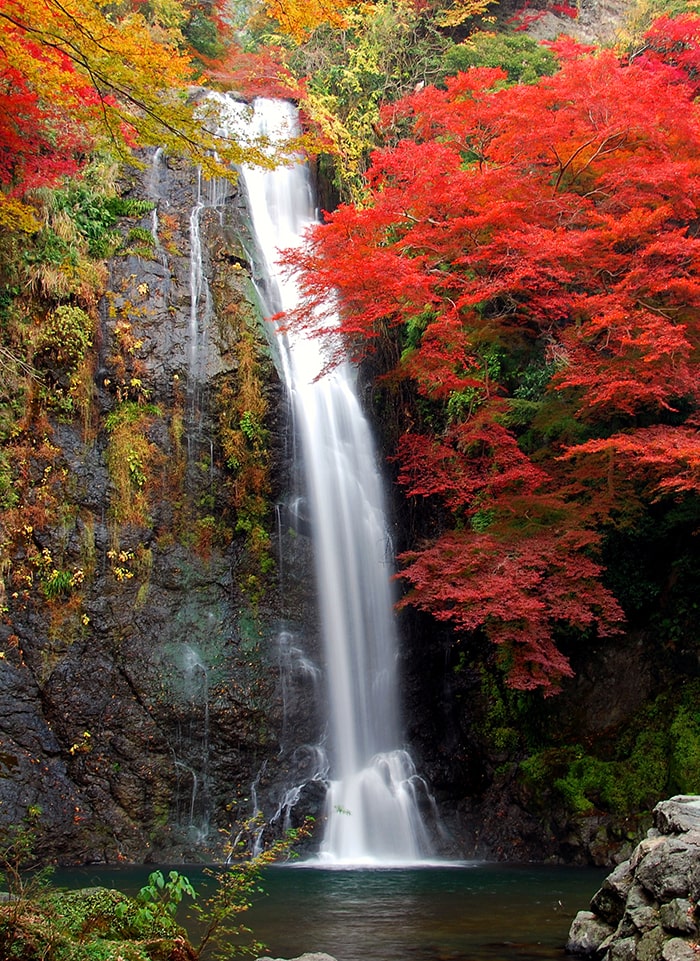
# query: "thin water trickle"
{"type": "Point", "coordinates": [373, 799]}
{"type": "Point", "coordinates": [211, 196]}
{"type": "Point", "coordinates": [200, 306]}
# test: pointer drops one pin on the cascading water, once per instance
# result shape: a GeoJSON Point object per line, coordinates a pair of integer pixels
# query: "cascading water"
{"type": "Point", "coordinates": [211, 195]}
{"type": "Point", "coordinates": [373, 798]}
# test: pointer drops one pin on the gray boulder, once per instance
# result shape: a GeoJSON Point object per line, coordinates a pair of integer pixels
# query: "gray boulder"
{"type": "Point", "coordinates": [312, 956]}
{"type": "Point", "coordinates": [679, 815]}
{"type": "Point", "coordinates": [587, 933]}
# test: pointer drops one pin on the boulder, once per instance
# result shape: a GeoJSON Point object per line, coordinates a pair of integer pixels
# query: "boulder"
{"type": "Point", "coordinates": [587, 933]}
{"type": "Point", "coordinates": [679, 915]}
{"type": "Point", "coordinates": [679, 950]}
{"type": "Point", "coordinates": [312, 956]}
{"type": "Point", "coordinates": [679, 815]}
{"type": "Point", "coordinates": [610, 900]}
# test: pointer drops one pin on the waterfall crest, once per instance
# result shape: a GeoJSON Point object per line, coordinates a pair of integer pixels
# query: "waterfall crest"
{"type": "Point", "coordinates": [372, 806]}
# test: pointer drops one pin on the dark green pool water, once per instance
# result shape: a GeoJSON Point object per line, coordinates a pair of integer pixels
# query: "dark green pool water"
{"type": "Point", "coordinates": [473, 912]}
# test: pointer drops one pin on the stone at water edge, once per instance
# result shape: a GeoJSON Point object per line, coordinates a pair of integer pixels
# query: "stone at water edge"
{"type": "Point", "coordinates": [587, 933]}
{"type": "Point", "coordinates": [313, 956]}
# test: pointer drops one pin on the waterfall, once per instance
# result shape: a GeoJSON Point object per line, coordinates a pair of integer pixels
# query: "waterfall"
{"type": "Point", "coordinates": [373, 797]}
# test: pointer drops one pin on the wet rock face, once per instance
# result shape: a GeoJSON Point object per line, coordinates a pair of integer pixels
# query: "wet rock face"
{"type": "Point", "coordinates": [139, 705]}
{"type": "Point", "coordinates": [647, 908]}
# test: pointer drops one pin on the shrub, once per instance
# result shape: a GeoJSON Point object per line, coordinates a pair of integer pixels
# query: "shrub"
{"type": "Point", "coordinates": [64, 338]}
{"type": "Point", "coordinates": [523, 59]}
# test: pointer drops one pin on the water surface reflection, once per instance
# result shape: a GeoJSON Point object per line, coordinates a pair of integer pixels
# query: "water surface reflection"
{"type": "Point", "coordinates": [472, 912]}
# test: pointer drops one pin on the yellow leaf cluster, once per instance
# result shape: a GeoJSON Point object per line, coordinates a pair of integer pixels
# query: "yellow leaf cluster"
{"type": "Point", "coordinates": [15, 215]}
{"type": "Point", "coordinates": [460, 10]}
{"type": "Point", "coordinates": [297, 18]}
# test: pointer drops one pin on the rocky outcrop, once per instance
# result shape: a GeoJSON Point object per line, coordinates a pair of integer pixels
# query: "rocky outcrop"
{"type": "Point", "coordinates": [647, 908]}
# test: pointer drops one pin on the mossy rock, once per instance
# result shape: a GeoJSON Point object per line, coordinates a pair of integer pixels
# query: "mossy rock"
{"type": "Point", "coordinates": [111, 913]}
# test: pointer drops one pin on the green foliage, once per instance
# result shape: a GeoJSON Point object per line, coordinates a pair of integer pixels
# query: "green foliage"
{"type": "Point", "coordinates": [242, 412]}
{"type": "Point", "coordinates": [414, 328]}
{"type": "Point", "coordinates": [128, 413]}
{"type": "Point", "coordinates": [140, 240]}
{"type": "Point", "coordinates": [132, 460]}
{"type": "Point", "coordinates": [98, 924]}
{"type": "Point", "coordinates": [61, 355]}
{"type": "Point", "coordinates": [50, 248]}
{"type": "Point", "coordinates": [56, 583]}
{"type": "Point", "coordinates": [201, 32]}
{"type": "Point", "coordinates": [462, 403]}
{"type": "Point", "coordinates": [533, 381]}
{"type": "Point", "coordinates": [137, 474]}
{"type": "Point", "coordinates": [620, 788]}
{"type": "Point", "coordinates": [94, 221]}
{"type": "Point", "coordinates": [17, 853]}
{"type": "Point", "coordinates": [383, 52]}
{"type": "Point", "coordinates": [17, 857]}
{"type": "Point", "coordinates": [159, 900]}
{"type": "Point", "coordinates": [522, 58]}
{"type": "Point", "coordinates": [111, 916]}
{"type": "Point", "coordinates": [587, 779]}
{"type": "Point", "coordinates": [252, 429]}
{"type": "Point", "coordinates": [481, 520]}
{"type": "Point", "coordinates": [685, 749]}
{"type": "Point", "coordinates": [507, 717]}
{"type": "Point", "coordinates": [94, 924]}
{"type": "Point", "coordinates": [8, 295]}
{"type": "Point", "coordinates": [8, 493]}
{"type": "Point", "coordinates": [128, 206]}
{"type": "Point", "coordinates": [656, 755]}
{"type": "Point", "coordinates": [639, 16]}
{"type": "Point", "coordinates": [94, 210]}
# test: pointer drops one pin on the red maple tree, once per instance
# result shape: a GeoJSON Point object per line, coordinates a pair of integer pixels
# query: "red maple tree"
{"type": "Point", "coordinates": [532, 253]}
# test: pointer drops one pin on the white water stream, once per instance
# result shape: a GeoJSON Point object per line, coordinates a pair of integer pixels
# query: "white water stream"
{"type": "Point", "coordinates": [372, 803]}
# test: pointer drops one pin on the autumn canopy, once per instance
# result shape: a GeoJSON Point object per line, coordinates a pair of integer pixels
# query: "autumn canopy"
{"type": "Point", "coordinates": [78, 76]}
{"type": "Point", "coordinates": [527, 269]}
{"type": "Point", "coordinates": [522, 264]}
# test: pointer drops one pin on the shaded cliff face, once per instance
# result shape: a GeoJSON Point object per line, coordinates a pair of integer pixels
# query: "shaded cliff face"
{"type": "Point", "coordinates": [141, 691]}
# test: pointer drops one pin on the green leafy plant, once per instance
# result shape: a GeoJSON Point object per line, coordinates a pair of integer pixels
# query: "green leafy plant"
{"type": "Point", "coordinates": [523, 59]}
{"type": "Point", "coordinates": [57, 583]}
{"type": "Point", "coordinates": [252, 429]}
{"type": "Point", "coordinates": [140, 240]}
{"type": "Point", "coordinates": [99, 924]}
{"type": "Point", "coordinates": [157, 901]}
{"type": "Point", "coordinates": [132, 459]}
{"type": "Point", "coordinates": [685, 757]}
{"type": "Point", "coordinates": [655, 755]}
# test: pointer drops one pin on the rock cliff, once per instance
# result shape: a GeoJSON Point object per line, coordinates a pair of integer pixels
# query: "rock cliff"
{"type": "Point", "coordinates": [147, 692]}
